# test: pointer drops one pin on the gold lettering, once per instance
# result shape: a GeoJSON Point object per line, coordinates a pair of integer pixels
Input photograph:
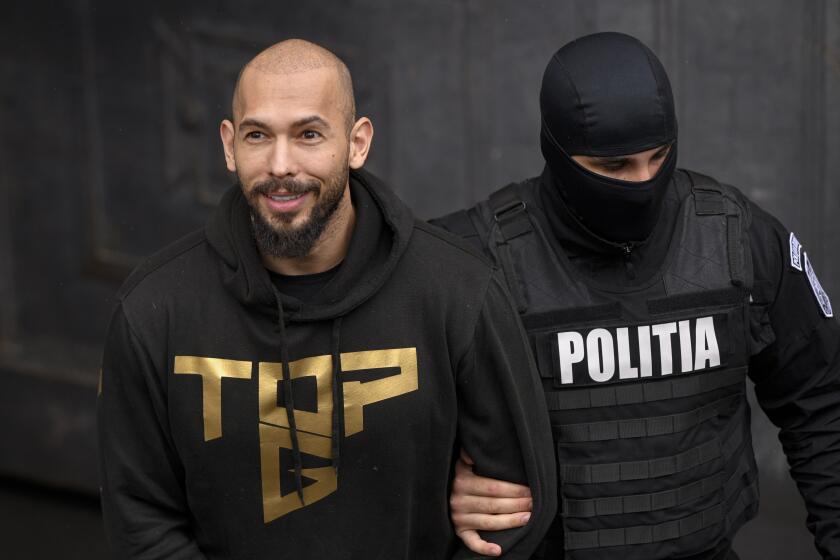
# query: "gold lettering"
{"type": "Point", "coordinates": [212, 370]}
{"type": "Point", "coordinates": [320, 367]}
{"type": "Point", "coordinates": [275, 504]}
{"type": "Point", "coordinates": [314, 428]}
{"type": "Point", "coordinates": [357, 394]}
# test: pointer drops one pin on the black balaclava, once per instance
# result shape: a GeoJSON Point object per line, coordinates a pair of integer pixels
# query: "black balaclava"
{"type": "Point", "coordinates": [607, 95]}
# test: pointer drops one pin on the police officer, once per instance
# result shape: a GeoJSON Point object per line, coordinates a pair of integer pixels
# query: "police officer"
{"type": "Point", "coordinates": [650, 293]}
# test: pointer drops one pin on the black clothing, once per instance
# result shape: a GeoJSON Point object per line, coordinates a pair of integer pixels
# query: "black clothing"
{"type": "Point", "coordinates": [237, 422]}
{"type": "Point", "coordinates": [303, 287]}
{"type": "Point", "coordinates": [792, 353]}
{"type": "Point", "coordinates": [607, 95]}
{"type": "Point", "coordinates": [595, 257]}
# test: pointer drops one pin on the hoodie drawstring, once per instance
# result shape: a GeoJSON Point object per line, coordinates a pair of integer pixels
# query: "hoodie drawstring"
{"type": "Point", "coordinates": [337, 395]}
{"type": "Point", "coordinates": [289, 399]}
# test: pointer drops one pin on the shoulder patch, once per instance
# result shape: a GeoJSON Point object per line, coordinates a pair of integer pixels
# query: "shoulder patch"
{"type": "Point", "coordinates": [816, 287]}
{"type": "Point", "coordinates": [795, 253]}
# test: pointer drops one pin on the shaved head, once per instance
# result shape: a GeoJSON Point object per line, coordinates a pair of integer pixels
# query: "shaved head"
{"type": "Point", "coordinates": [294, 56]}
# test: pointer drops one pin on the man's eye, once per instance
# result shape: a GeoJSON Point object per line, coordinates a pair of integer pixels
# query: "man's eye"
{"type": "Point", "coordinates": [255, 135]}
{"type": "Point", "coordinates": [310, 135]}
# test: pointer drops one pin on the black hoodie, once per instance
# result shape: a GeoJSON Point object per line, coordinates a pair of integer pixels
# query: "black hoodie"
{"type": "Point", "coordinates": [207, 453]}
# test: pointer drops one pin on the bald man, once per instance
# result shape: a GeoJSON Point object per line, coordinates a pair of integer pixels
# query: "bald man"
{"type": "Point", "coordinates": [292, 380]}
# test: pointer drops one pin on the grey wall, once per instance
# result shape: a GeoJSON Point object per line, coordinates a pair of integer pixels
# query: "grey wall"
{"type": "Point", "coordinates": [108, 128]}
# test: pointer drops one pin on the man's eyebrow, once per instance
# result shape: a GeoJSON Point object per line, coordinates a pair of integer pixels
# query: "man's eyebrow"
{"type": "Point", "coordinates": [253, 122]}
{"type": "Point", "coordinates": [313, 119]}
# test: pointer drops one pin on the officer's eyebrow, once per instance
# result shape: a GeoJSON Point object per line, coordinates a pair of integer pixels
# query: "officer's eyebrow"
{"type": "Point", "coordinates": [624, 159]}
{"type": "Point", "coordinates": [663, 150]}
{"type": "Point", "coordinates": [611, 159]}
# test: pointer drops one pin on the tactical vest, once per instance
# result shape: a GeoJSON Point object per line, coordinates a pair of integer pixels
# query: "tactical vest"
{"type": "Point", "coordinates": [645, 388]}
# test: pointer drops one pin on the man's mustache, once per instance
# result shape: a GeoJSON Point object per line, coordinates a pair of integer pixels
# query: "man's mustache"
{"type": "Point", "coordinates": [287, 184]}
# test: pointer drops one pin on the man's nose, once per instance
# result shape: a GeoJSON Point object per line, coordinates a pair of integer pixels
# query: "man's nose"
{"type": "Point", "coordinates": [282, 161]}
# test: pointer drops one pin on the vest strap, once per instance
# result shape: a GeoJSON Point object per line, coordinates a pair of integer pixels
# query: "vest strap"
{"type": "Point", "coordinates": [638, 503]}
{"type": "Point", "coordinates": [652, 468]}
{"type": "Point", "coordinates": [733, 241]}
{"type": "Point", "coordinates": [642, 427]}
{"type": "Point", "coordinates": [635, 393]}
{"type": "Point", "coordinates": [708, 195]}
{"type": "Point", "coordinates": [509, 212]}
{"type": "Point", "coordinates": [647, 534]}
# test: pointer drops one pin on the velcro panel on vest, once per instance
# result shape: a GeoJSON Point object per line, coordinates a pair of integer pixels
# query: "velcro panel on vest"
{"type": "Point", "coordinates": [642, 427]}
{"type": "Point", "coordinates": [635, 393]}
{"type": "Point", "coordinates": [651, 468]}
{"type": "Point", "coordinates": [697, 300]}
{"type": "Point", "coordinates": [573, 316]}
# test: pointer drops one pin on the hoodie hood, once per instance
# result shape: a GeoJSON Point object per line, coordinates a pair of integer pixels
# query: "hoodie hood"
{"type": "Point", "coordinates": [382, 232]}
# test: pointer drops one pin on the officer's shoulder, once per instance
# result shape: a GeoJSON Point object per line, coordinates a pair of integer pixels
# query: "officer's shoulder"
{"type": "Point", "coordinates": [768, 236]}
{"type": "Point", "coordinates": [156, 273]}
{"type": "Point", "coordinates": [688, 178]}
{"type": "Point", "coordinates": [761, 222]}
{"type": "Point", "coordinates": [474, 223]}
{"type": "Point", "coordinates": [446, 244]}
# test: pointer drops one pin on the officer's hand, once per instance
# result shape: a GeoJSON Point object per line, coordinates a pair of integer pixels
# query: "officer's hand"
{"type": "Point", "coordinates": [486, 504]}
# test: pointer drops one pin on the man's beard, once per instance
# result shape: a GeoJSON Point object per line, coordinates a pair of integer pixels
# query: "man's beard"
{"type": "Point", "coordinates": [277, 237]}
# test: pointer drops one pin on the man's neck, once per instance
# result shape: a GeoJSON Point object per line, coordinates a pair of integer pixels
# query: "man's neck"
{"type": "Point", "coordinates": [329, 250]}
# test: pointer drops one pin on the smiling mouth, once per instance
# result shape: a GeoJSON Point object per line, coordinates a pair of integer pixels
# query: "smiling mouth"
{"type": "Point", "coordinates": [284, 197]}
{"type": "Point", "coordinates": [284, 202]}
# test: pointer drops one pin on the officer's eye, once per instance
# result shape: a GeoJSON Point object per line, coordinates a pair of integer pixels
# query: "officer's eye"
{"type": "Point", "coordinates": [310, 135]}
{"type": "Point", "coordinates": [617, 165]}
{"type": "Point", "coordinates": [255, 135]}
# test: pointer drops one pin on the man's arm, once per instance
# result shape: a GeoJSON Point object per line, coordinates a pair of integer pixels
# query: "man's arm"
{"type": "Point", "coordinates": [143, 499]}
{"type": "Point", "coordinates": [797, 376]}
{"type": "Point", "coordinates": [503, 421]}
{"type": "Point", "coordinates": [480, 503]}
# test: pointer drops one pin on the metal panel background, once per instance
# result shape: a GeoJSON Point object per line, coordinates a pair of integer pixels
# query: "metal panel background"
{"type": "Point", "coordinates": [108, 128]}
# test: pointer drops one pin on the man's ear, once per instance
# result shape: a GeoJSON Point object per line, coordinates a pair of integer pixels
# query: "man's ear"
{"type": "Point", "coordinates": [227, 132]}
{"type": "Point", "coordinates": [361, 137]}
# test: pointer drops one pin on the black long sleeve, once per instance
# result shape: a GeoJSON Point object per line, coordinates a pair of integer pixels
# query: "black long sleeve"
{"type": "Point", "coordinates": [797, 374]}
{"type": "Point", "coordinates": [503, 423]}
{"type": "Point", "coordinates": [143, 499]}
